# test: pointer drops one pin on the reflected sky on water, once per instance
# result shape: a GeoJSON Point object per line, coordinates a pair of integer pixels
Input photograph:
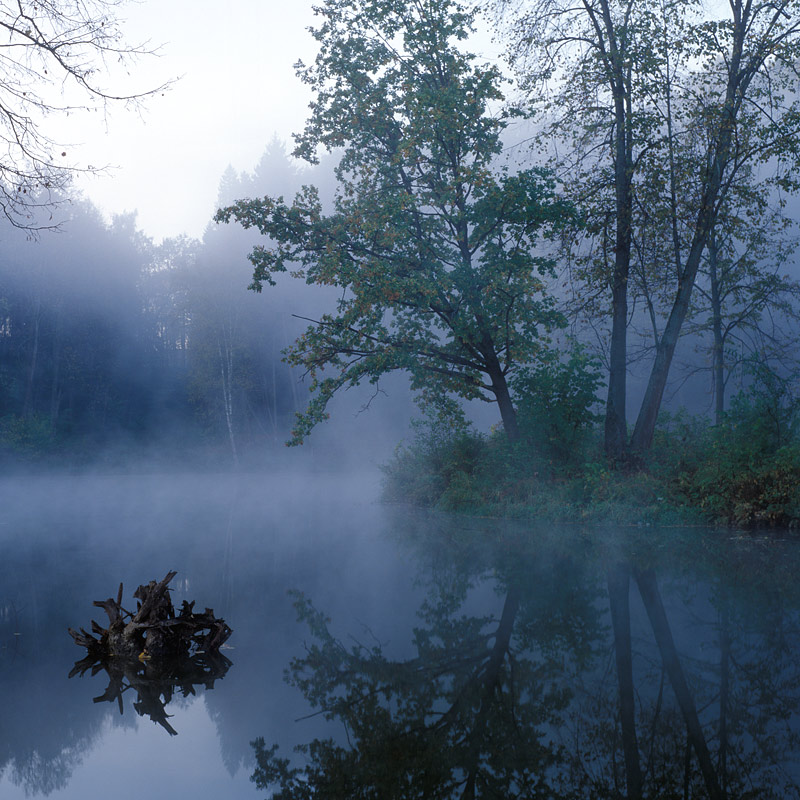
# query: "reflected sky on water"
{"type": "Point", "coordinates": [136, 762]}
{"type": "Point", "coordinates": [498, 653]}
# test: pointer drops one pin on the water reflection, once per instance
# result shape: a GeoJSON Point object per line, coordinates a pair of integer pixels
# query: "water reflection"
{"type": "Point", "coordinates": [460, 657]}
{"type": "Point", "coordinates": [543, 666]}
{"type": "Point", "coordinates": [154, 684]}
{"type": "Point", "coordinates": [61, 539]}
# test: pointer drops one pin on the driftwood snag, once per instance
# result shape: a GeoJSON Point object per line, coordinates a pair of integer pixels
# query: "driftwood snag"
{"type": "Point", "coordinates": [153, 650]}
{"type": "Point", "coordinates": [153, 631]}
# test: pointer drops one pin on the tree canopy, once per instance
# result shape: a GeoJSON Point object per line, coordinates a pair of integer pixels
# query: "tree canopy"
{"type": "Point", "coordinates": [435, 247]}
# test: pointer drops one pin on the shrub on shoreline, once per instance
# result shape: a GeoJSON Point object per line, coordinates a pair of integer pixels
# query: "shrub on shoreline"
{"type": "Point", "coordinates": [744, 472]}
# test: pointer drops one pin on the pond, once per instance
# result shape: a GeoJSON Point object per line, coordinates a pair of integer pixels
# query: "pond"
{"type": "Point", "coordinates": [412, 654]}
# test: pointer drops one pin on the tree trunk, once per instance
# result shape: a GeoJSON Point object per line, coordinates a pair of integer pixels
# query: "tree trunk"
{"type": "Point", "coordinates": [500, 389]}
{"type": "Point", "coordinates": [225, 349]}
{"type": "Point", "coordinates": [719, 159]}
{"type": "Point", "coordinates": [645, 427]}
{"type": "Point", "coordinates": [718, 365]}
{"type": "Point", "coordinates": [616, 424]}
{"type": "Point", "coordinates": [507, 411]}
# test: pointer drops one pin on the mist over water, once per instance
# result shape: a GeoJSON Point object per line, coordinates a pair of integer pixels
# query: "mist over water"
{"type": "Point", "coordinates": [131, 452]}
{"type": "Point", "coordinates": [144, 406]}
{"type": "Point", "coordinates": [237, 542]}
{"type": "Point", "coordinates": [379, 576]}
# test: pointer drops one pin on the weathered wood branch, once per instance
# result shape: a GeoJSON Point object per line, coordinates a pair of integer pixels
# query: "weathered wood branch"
{"type": "Point", "coordinates": [154, 631]}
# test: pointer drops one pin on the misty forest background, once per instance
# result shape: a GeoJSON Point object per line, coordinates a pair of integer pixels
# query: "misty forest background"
{"type": "Point", "coordinates": [615, 231]}
{"type": "Point", "coordinates": [110, 343]}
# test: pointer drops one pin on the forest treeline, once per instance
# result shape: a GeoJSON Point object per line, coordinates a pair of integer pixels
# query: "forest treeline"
{"type": "Point", "coordinates": [606, 220]}
{"type": "Point", "coordinates": [631, 186]}
{"type": "Point", "coordinates": [108, 339]}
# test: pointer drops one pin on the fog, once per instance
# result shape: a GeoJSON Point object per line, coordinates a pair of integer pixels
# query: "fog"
{"type": "Point", "coordinates": [118, 351]}
{"type": "Point", "coordinates": [145, 406]}
{"type": "Point", "coordinates": [238, 544]}
{"type": "Point", "coordinates": [401, 593]}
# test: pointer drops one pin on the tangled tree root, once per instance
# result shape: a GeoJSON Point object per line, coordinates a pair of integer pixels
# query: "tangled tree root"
{"type": "Point", "coordinates": [153, 631]}
{"type": "Point", "coordinates": [153, 650]}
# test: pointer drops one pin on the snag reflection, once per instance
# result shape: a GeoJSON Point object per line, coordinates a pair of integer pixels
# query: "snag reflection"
{"type": "Point", "coordinates": [154, 684]}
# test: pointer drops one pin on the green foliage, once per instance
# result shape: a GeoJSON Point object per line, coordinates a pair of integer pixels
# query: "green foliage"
{"type": "Point", "coordinates": [457, 469]}
{"type": "Point", "coordinates": [746, 471]}
{"type": "Point", "coordinates": [432, 245]}
{"type": "Point", "coordinates": [464, 471]}
{"type": "Point", "coordinates": [27, 439]}
{"type": "Point", "coordinates": [556, 402]}
{"type": "Point", "coordinates": [438, 468]}
{"type": "Point", "coordinates": [768, 408]}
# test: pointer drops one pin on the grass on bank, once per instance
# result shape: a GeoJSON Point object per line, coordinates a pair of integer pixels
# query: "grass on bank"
{"type": "Point", "coordinates": [744, 472]}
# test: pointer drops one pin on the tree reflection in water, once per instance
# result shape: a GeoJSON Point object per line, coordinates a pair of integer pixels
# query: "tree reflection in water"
{"type": "Point", "coordinates": [582, 680]}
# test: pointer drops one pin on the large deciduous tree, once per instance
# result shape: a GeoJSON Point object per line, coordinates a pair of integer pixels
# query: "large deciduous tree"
{"type": "Point", "coordinates": [432, 246]}
{"type": "Point", "coordinates": [630, 85]}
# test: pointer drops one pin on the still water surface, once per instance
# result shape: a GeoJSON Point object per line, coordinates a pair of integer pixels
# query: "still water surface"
{"type": "Point", "coordinates": [447, 656]}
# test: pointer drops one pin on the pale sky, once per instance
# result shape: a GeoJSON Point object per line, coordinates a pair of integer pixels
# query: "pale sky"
{"type": "Point", "coordinates": [238, 89]}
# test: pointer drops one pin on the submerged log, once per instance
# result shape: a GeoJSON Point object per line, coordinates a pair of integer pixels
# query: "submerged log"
{"type": "Point", "coordinates": [153, 631]}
